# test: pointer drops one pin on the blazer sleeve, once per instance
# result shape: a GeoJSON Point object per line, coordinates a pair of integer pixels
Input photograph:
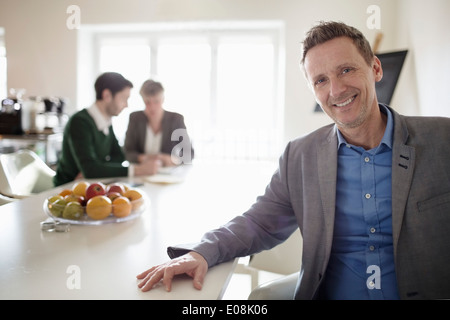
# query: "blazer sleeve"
{"type": "Point", "coordinates": [269, 222]}
{"type": "Point", "coordinates": [133, 145]}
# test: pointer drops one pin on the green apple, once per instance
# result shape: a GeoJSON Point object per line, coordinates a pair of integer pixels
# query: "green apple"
{"type": "Point", "coordinates": [56, 208]}
{"type": "Point", "coordinates": [52, 199]}
{"type": "Point", "coordinates": [73, 210]}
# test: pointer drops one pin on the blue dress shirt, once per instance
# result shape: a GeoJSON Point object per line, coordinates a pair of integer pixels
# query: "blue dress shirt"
{"type": "Point", "coordinates": [361, 264]}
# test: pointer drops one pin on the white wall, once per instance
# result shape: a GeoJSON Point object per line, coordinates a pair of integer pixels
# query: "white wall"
{"type": "Point", "coordinates": [42, 51]}
{"type": "Point", "coordinates": [423, 28]}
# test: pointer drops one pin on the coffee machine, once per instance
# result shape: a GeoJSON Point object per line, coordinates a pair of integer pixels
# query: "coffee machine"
{"type": "Point", "coordinates": [11, 116]}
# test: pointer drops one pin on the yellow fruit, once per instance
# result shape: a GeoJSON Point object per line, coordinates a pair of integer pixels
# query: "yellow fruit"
{"type": "Point", "coordinates": [121, 207]}
{"type": "Point", "coordinates": [99, 207]}
{"type": "Point", "coordinates": [65, 192]}
{"type": "Point", "coordinates": [79, 188]}
{"type": "Point", "coordinates": [135, 197]}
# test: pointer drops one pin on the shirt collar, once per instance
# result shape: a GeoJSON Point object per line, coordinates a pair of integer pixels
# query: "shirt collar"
{"type": "Point", "coordinates": [101, 121]}
{"type": "Point", "coordinates": [387, 137]}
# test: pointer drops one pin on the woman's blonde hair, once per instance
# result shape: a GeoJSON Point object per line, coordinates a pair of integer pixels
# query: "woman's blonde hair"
{"type": "Point", "coordinates": [151, 88]}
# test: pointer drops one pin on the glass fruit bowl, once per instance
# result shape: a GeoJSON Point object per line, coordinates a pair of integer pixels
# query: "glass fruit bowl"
{"type": "Point", "coordinates": [100, 211]}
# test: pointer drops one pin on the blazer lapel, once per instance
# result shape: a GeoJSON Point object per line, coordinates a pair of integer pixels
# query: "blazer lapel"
{"type": "Point", "coordinates": [403, 161]}
{"type": "Point", "coordinates": [327, 170]}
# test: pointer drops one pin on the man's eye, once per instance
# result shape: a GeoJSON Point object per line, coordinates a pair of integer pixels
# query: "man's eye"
{"type": "Point", "coordinates": [319, 82]}
{"type": "Point", "coordinates": [346, 70]}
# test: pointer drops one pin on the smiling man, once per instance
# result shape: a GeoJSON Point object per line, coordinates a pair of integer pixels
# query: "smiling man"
{"type": "Point", "coordinates": [370, 193]}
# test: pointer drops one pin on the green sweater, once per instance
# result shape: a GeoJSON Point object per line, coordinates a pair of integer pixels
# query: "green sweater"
{"type": "Point", "coordinates": [89, 151]}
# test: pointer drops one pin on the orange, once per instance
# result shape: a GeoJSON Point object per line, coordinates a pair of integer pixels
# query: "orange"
{"type": "Point", "coordinates": [79, 188]}
{"type": "Point", "coordinates": [135, 197]}
{"type": "Point", "coordinates": [99, 207]}
{"type": "Point", "coordinates": [121, 207]}
{"type": "Point", "coordinates": [65, 192]}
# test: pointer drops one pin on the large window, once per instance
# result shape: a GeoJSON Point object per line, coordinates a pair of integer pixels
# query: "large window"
{"type": "Point", "coordinates": [225, 79]}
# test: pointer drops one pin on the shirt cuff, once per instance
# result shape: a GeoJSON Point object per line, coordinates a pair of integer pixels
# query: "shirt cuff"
{"type": "Point", "coordinates": [130, 171]}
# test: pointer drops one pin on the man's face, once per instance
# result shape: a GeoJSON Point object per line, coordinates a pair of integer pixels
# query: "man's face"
{"type": "Point", "coordinates": [118, 102]}
{"type": "Point", "coordinates": [154, 103]}
{"type": "Point", "coordinates": [342, 82]}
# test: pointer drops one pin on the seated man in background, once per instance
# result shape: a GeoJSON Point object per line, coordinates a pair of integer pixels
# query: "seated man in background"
{"type": "Point", "coordinates": [153, 133]}
{"type": "Point", "coordinates": [90, 148]}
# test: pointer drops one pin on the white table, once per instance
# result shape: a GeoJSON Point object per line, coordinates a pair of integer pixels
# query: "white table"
{"type": "Point", "coordinates": [101, 262]}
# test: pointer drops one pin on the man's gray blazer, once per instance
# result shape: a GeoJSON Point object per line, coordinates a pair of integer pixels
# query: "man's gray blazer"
{"type": "Point", "coordinates": [302, 194]}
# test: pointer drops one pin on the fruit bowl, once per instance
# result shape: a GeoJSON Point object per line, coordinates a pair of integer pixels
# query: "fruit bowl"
{"type": "Point", "coordinates": [138, 208]}
{"type": "Point", "coordinates": [105, 207]}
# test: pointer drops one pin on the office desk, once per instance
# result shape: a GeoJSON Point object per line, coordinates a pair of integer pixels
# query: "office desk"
{"type": "Point", "coordinates": [101, 262]}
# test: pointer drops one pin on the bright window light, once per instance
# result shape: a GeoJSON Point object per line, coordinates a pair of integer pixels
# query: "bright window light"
{"type": "Point", "coordinates": [225, 79]}
{"type": "Point", "coordinates": [184, 70]}
{"type": "Point", "coordinates": [133, 62]}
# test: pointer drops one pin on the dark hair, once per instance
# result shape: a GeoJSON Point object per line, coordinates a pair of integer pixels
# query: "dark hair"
{"type": "Point", "coordinates": [151, 88]}
{"type": "Point", "coordinates": [112, 81]}
{"type": "Point", "coordinates": [326, 31]}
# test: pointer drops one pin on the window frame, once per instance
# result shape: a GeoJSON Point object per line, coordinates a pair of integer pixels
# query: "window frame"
{"type": "Point", "coordinates": [92, 37]}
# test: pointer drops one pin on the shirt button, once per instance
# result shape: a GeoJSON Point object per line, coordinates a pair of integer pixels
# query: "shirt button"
{"type": "Point", "coordinates": [371, 284]}
{"type": "Point", "coordinates": [107, 158]}
{"type": "Point", "coordinates": [371, 248]}
{"type": "Point", "coordinates": [372, 230]}
{"type": "Point", "coordinates": [366, 159]}
{"type": "Point", "coordinates": [367, 195]}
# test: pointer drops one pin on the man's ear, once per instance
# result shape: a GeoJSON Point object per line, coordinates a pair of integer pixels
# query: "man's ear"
{"type": "Point", "coordinates": [378, 69]}
{"type": "Point", "coordinates": [106, 95]}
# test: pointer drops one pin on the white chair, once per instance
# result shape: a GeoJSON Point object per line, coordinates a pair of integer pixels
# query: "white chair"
{"type": "Point", "coordinates": [282, 260]}
{"type": "Point", "coordinates": [24, 173]}
{"type": "Point", "coordinates": [5, 199]}
{"type": "Point", "coordinates": [278, 289]}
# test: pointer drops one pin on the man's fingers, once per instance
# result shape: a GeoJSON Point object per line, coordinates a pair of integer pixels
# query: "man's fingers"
{"type": "Point", "coordinates": [199, 276]}
{"type": "Point", "coordinates": [145, 273]}
{"type": "Point", "coordinates": [169, 273]}
{"type": "Point", "coordinates": [150, 279]}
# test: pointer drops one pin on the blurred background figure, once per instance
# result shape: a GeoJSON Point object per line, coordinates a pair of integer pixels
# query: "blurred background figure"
{"type": "Point", "coordinates": [153, 134]}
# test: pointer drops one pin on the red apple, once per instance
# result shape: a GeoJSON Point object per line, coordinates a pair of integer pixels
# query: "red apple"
{"type": "Point", "coordinates": [115, 187]}
{"type": "Point", "coordinates": [95, 189]}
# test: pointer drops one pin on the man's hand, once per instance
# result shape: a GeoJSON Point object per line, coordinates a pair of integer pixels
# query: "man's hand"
{"type": "Point", "coordinates": [147, 168]}
{"type": "Point", "coordinates": [192, 263]}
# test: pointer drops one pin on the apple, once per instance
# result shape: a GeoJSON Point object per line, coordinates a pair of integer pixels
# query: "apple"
{"type": "Point", "coordinates": [57, 208]}
{"type": "Point", "coordinates": [73, 210]}
{"type": "Point", "coordinates": [73, 197]}
{"type": "Point", "coordinates": [54, 198]}
{"type": "Point", "coordinates": [95, 189]}
{"type": "Point", "coordinates": [115, 187]}
{"type": "Point", "coordinates": [113, 195]}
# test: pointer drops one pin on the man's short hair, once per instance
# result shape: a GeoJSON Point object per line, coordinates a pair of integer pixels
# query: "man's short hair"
{"type": "Point", "coordinates": [112, 81]}
{"type": "Point", "coordinates": [151, 88]}
{"type": "Point", "coordinates": [326, 31]}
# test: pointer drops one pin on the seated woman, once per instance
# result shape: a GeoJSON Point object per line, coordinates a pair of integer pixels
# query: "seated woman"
{"type": "Point", "coordinates": [154, 133]}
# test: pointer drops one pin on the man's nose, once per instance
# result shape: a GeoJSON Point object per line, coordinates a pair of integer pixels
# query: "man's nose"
{"type": "Point", "coordinates": [337, 87]}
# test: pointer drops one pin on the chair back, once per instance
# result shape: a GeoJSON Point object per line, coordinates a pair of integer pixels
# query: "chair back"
{"type": "Point", "coordinates": [286, 258]}
{"type": "Point", "coordinates": [24, 173]}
